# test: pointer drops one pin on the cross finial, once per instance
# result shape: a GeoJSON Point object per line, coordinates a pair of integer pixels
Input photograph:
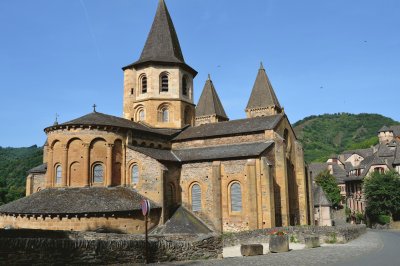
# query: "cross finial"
{"type": "Point", "coordinates": [261, 65]}
{"type": "Point", "coordinates": [56, 121]}
{"type": "Point", "coordinates": [209, 77]}
{"type": "Point", "coordinates": [94, 108]}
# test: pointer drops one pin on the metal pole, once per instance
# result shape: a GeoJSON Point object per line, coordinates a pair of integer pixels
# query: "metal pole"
{"type": "Point", "coordinates": [146, 239]}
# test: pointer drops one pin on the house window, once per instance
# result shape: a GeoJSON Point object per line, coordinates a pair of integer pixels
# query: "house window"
{"type": "Point", "coordinates": [58, 174]}
{"type": "Point", "coordinates": [196, 198]}
{"type": "Point", "coordinates": [143, 83]}
{"type": "Point", "coordinates": [185, 88]}
{"type": "Point", "coordinates": [236, 197]}
{"type": "Point", "coordinates": [98, 173]}
{"type": "Point", "coordinates": [164, 82]}
{"type": "Point", "coordinates": [135, 174]}
{"type": "Point", "coordinates": [165, 115]}
{"type": "Point", "coordinates": [141, 115]}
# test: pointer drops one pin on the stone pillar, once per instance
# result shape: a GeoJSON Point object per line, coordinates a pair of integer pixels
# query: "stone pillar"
{"type": "Point", "coordinates": [301, 183]}
{"type": "Point", "coordinates": [217, 200]}
{"type": "Point", "coordinates": [50, 170]}
{"type": "Point", "coordinates": [86, 162]}
{"type": "Point", "coordinates": [64, 164]}
{"type": "Point", "coordinates": [268, 194]}
{"type": "Point", "coordinates": [252, 194]}
{"type": "Point", "coordinates": [162, 199]}
{"type": "Point", "coordinates": [109, 165]}
{"type": "Point", "coordinates": [282, 178]}
{"type": "Point", "coordinates": [28, 185]}
{"type": "Point", "coordinates": [123, 166]}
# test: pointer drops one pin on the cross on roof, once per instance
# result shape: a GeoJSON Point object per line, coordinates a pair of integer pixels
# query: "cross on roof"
{"type": "Point", "coordinates": [94, 107]}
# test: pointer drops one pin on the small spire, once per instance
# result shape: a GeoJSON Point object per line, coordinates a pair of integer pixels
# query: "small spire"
{"type": "Point", "coordinates": [209, 77]}
{"type": "Point", "coordinates": [261, 66]}
{"type": "Point", "coordinates": [94, 108]}
{"type": "Point", "coordinates": [56, 121]}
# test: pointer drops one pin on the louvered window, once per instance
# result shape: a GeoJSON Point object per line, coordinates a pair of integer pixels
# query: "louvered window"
{"type": "Point", "coordinates": [135, 174]}
{"type": "Point", "coordinates": [144, 84]}
{"type": "Point", "coordinates": [58, 174]}
{"type": "Point", "coordinates": [164, 83]}
{"type": "Point", "coordinates": [98, 173]}
{"type": "Point", "coordinates": [184, 86]}
{"type": "Point", "coordinates": [236, 198]}
{"type": "Point", "coordinates": [196, 198]}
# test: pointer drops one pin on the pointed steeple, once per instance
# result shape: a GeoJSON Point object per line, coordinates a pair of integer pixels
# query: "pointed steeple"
{"type": "Point", "coordinates": [263, 100]}
{"type": "Point", "coordinates": [209, 109]}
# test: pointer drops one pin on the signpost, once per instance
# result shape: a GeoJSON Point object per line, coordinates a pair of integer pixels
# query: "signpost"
{"type": "Point", "coordinates": [145, 205]}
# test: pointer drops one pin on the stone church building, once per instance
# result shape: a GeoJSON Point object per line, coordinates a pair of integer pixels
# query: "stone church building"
{"type": "Point", "coordinates": [231, 174]}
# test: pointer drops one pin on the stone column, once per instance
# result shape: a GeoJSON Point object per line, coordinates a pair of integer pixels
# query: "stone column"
{"type": "Point", "coordinates": [86, 162]}
{"type": "Point", "coordinates": [109, 165]}
{"type": "Point", "coordinates": [301, 183]}
{"type": "Point", "coordinates": [252, 194]}
{"type": "Point", "coordinates": [123, 166]}
{"type": "Point", "coordinates": [28, 190]}
{"type": "Point", "coordinates": [162, 199]}
{"type": "Point", "coordinates": [49, 173]}
{"type": "Point", "coordinates": [64, 165]}
{"type": "Point", "coordinates": [216, 192]}
{"type": "Point", "coordinates": [269, 196]}
{"type": "Point", "coordinates": [282, 178]}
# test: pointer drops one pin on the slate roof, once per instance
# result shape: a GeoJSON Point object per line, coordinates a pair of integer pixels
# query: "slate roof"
{"type": "Point", "coordinates": [41, 169]}
{"type": "Point", "coordinates": [182, 222]}
{"type": "Point", "coordinates": [396, 130]}
{"type": "Point", "coordinates": [100, 119]}
{"type": "Point", "coordinates": [397, 156]}
{"type": "Point", "coordinates": [233, 127]}
{"type": "Point", "coordinates": [383, 129]}
{"type": "Point", "coordinates": [209, 102]}
{"type": "Point", "coordinates": [77, 201]}
{"type": "Point", "coordinates": [362, 152]}
{"type": "Point", "coordinates": [320, 198]}
{"type": "Point", "coordinates": [317, 168]}
{"type": "Point", "coordinates": [223, 152]}
{"type": "Point", "coordinates": [263, 94]}
{"type": "Point", "coordinates": [161, 155]}
{"type": "Point", "coordinates": [385, 151]}
{"type": "Point", "coordinates": [162, 45]}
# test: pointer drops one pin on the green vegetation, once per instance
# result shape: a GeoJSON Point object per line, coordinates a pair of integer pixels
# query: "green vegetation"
{"type": "Point", "coordinates": [14, 164]}
{"type": "Point", "coordinates": [332, 238]}
{"type": "Point", "coordinates": [382, 192]}
{"type": "Point", "coordinates": [330, 187]}
{"type": "Point", "coordinates": [329, 134]}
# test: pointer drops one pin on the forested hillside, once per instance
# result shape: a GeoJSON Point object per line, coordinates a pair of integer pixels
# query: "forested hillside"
{"type": "Point", "coordinates": [14, 164]}
{"type": "Point", "coordinates": [329, 134]}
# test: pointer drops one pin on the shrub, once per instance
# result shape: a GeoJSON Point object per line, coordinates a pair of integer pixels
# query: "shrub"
{"type": "Point", "coordinates": [383, 219]}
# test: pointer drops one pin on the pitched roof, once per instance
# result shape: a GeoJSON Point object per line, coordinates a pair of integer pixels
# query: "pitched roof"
{"type": "Point", "coordinates": [396, 130]}
{"type": "Point", "coordinates": [100, 119]}
{"type": "Point", "coordinates": [362, 152]}
{"type": "Point", "coordinates": [317, 168]}
{"type": "Point", "coordinates": [77, 201]}
{"type": "Point", "coordinates": [263, 94]}
{"type": "Point", "coordinates": [233, 127]}
{"type": "Point", "coordinates": [223, 152]}
{"type": "Point", "coordinates": [209, 102]}
{"type": "Point", "coordinates": [320, 198]}
{"type": "Point", "coordinates": [383, 129]}
{"type": "Point", "coordinates": [38, 169]}
{"type": "Point", "coordinates": [161, 155]}
{"type": "Point", "coordinates": [397, 156]}
{"type": "Point", "coordinates": [162, 43]}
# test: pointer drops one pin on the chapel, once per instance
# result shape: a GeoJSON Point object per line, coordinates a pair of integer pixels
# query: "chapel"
{"type": "Point", "coordinates": [231, 175]}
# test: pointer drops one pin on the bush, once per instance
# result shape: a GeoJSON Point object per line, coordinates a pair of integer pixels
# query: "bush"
{"type": "Point", "coordinates": [383, 219]}
{"type": "Point", "coordinates": [359, 217]}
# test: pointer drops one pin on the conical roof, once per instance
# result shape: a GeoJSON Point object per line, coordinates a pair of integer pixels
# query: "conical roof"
{"type": "Point", "coordinates": [263, 94]}
{"type": "Point", "coordinates": [209, 102]}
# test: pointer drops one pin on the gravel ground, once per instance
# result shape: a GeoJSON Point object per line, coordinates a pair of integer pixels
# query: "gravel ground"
{"type": "Point", "coordinates": [327, 254]}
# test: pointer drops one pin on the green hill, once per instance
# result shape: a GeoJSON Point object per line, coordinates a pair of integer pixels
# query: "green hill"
{"type": "Point", "coordinates": [14, 164]}
{"type": "Point", "coordinates": [329, 134]}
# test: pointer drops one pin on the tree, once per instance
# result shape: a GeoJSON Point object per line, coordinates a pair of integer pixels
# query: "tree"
{"type": "Point", "coordinates": [330, 187]}
{"type": "Point", "coordinates": [382, 192]}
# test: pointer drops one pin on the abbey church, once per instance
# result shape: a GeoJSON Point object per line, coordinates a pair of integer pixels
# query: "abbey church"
{"type": "Point", "coordinates": [233, 175]}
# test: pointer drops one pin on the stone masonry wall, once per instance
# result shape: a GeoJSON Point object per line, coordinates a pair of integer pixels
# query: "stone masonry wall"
{"type": "Point", "coordinates": [20, 247]}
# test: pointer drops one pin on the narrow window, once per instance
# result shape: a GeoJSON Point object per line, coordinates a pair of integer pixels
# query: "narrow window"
{"type": "Point", "coordinates": [98, 173]}
{"type": "Point", "coordinates": [236, 197]}
{"type": "Point", "coordinates": [135, 174]}
{"type": "Point", "coordinates": [170, 195]}
{"type": "Point", "coordinates": [165, 114]}
{"type": "Point", "coordinates": [184, 86]}
{"type": "Point", "coordinates": [132, 91]}
{"type": "Point", "coordinates": [141, 115]}
{"type": "Point", "coordinates": [164, 83]}
{"type": "Point", "coordinates": [58, 174]}
{"type": "Point", "coordinates": [144, 84]}
{"type": "Point", "coordinates": [196, 198]}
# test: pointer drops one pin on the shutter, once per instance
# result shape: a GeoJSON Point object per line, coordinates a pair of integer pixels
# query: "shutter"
{"type": "Point", "coordinates": [236, 198]}
{"type": "Point", "coordinates": [196, 198]}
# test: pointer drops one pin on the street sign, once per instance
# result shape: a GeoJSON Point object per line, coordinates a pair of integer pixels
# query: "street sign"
{"type": "Point", "coordinates": [145, 205]}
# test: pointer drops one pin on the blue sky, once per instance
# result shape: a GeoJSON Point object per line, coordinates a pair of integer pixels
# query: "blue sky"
{"type": "Point", "coordinates": [61, 56]}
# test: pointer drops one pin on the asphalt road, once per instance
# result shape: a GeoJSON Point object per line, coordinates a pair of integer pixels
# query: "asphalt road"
{"type": "Point", "coordinates": [378, 248]}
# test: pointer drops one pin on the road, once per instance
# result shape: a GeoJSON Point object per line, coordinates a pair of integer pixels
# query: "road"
{"type": "Point", "coordinates": [378, 248]}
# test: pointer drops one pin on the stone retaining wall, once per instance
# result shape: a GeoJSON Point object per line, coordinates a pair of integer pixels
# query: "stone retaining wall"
{"type": "Point", "coordinates": [327, 234]}
{"type": "Point", "coordinates": [62, 247]}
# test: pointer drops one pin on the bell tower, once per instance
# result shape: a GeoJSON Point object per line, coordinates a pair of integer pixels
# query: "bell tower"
{"type": "Point", "coordinates": [158, 88]}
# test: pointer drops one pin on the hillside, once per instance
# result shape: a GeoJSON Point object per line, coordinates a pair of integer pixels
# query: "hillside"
{"type": "Point", "coordinates": [329, 134]}
{"type": "Point", "coordinates": [14, 164]}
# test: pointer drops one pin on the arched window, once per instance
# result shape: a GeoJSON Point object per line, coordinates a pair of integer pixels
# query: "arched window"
{"type": "Point", "coordinates": [164, 114]}
{"type": "Point", "coordinates": [196, 198]}
{"type": "Point", "coordinates": [98, 173]}
{"type": "Point", "coordinates": [164, 82]}
{"type": "Point", "coordinates": [141, 115]}
{"type": "Point", "coordinates": [185, 89]}
{"type": "Point", "coordinates": [135, 174]}
{"type": "Point", "coordinates": [236, 197]}
{"type": "Point", "coordinates": [143, 83]}
{"type": "Point", "coordinates": [58, 174]}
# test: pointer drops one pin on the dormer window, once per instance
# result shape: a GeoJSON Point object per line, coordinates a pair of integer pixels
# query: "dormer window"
{"type": "Point", "coordinates": [164, 82]}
